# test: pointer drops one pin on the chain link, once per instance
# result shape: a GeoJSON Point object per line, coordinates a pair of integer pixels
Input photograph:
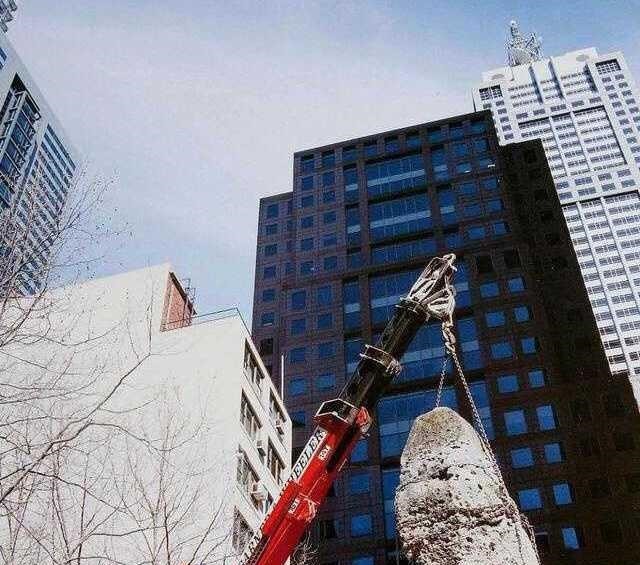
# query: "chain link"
{"type": "Point", "coordinates": [509, 505]}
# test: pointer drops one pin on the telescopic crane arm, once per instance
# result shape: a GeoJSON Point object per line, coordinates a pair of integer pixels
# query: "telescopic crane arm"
{"type": "Point", "coordinates": [343, 421]}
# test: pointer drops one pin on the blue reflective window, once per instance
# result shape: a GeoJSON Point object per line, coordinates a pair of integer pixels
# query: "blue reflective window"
{"type": "Point", "coordinates": [391, 144]}
{"type": "Point", "coordinates": [326, 350]}
{"type": "Point", "coordinates": [461, 283]}
{"type": "Point", "coordinates": [324, 295]}
{"type": "Point", "coordinates": [268, 295]}
{"type": "Point", "coordinates": [371, 149]}
{"type": "Point", "coordinates": [501, 350]}
{"type": "Point", "coordinates": [396, 415]}
{"type": "Point", "coordinates": [476, 232]}
{"type": "Point", "coordinates": [439, 163]}
{"type": "Point", "coordinates": [562, 494]}
{"type": "Point", "coordinates": [352, 217]}
{"type": "Point", "coordinates": [456, 131]}
{"type": "Point", "coordinates": [570, 538]}
{"type": "Point", "coordinates": [268, 319]}
{"type": "Point", "coordinates": [306, 183]}
{"type": "Point", "coordinates": [349, 153]}
{"type": "Point", "coordinates": [329, 217]}
{"type": "Point", "coordinates": [460, 149]}
{"type": "Point", "coordinates": [393, 176]}
{"type": "Point", "coordinates": [536, 378]}
{"type": "Point", "coordinates": [298, 299]}
{"type": "Point", "coordinates": [489, 183]}
{"type": "Point", "coordinates": [361, 525]}
{"type": "Point", "coordinates": [390, 480]}
{"type": "Point", "coordinates": [530, 499]}
{"type": "Point", "coordinates": [352, 349]}
{"type": "Point", "coordinates": [359, 483]}
{"type": "Point", "coordinates": [500, 228]}
{"type": "Point", "coordinates": [495, 205]}
{"type": "Point", "coordinates": [478, 127]}
{"type": "Point", "coordinates": [298, 326]}
{"type": "Point", "coordinates": [306, 244]}
{"type": "Point", "coordinates": [306, 222]}
{"type": "Point", "coordinates": [522, 458]}
{"type": "Point", "coordinates": [325, 321]}
{"type": "Point", "coordinates": [330, 263]}
{"type": "Point", "coordinates": [435, 134]}
{"type": "Point", "coordinates": [360, 452]}
{"type": "Point", "coordinates": [269, 272]}
{"type": "Point", "coordinates": [297, 386]}
{"type": "Point", "coordinates": [522, 313]}
{"type": "Point", "coordinates": [463, 168]}
{"type": "Point", "coordinates": [489, 289]}
{"type": "Point", "coordinates": [413, 140]}
{"type": "Point", "coordinates": [306, 163]}
{"type": "Point", "coordinates": [508, 383]}
{"type": "Point", "coordinates": [325, 381]}
{"type": "Point", "coordinates": [529, 345]}
{"type": "Point", "coordinates": [515, 284]}
{"type": "Point", "coordinates": [328, 196]}
{"type": "Point", "coordinates": [328, 158]}
{"type": "Point", "coordinates": [403, 251]}
{"type": "Point", "coordinates": [273, 210]}
{"type": "Point", "coordinates": [367, 560]}
{"type": "Point", "coordinates": [546, 417]}
{"type": "Point", "coordinates": [306, 267]}
{"type": "Point", "coordinates": [399, 217]}
{"type": "Point", "coordinates": [452, 240]}
{"type": "Point", "coordinates": [328, 178]}
{"type": "Point", "coordinates": [271, 229]}
{"type": "Point", "coordinates": [553, 453]}
{"type": "Point", "coordinates": [495, 319]}
{"type": "Point", "coordinates": [468, 188]}
{"type": "Point", "coordinates": [306, 201]}
{"type": "Point", "coordinates": [480, 145]}
{"type": "Point", "coordinates": [298, 355]}
{"type": "Point", "coordinates": [298, 418]}
{"type": "Point", "coordinates": [447, 203]}
{"type": "Point", "coordinates": [473, 210]}
{"type": "Point", "coordinates": [515, 422]}
{"type": "Point", "coordinates": [485, 163]}
{"type": "Point", "coordinates": [329, 240]}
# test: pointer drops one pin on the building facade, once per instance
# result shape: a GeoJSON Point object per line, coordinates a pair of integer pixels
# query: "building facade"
{"type": "Point", "coordinates": [585, 108]}
{"type": "Point", "coordinates": [193, 384]}
{"type": "Point", "coordinates": [335, 255]}
{"type": "Point", "coordinates": [37, 169]}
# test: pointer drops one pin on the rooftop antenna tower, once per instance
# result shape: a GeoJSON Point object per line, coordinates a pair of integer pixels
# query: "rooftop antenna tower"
{"type": "Point", "coordinates": [522, 49]}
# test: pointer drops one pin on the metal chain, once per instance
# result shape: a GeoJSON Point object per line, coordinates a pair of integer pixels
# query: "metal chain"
{"type": "Point", "coordinates": [508, 502]}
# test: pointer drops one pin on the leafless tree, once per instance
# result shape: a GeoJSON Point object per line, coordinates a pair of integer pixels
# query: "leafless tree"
{"type": "Point", "coordinates": [84, 476]}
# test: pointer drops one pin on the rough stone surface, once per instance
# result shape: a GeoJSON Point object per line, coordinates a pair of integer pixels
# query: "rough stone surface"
{"type": "Point", "coordinates": [449, 509]}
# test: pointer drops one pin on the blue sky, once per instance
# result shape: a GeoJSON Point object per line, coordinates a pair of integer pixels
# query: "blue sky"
{"type": "Point", "coordinates": [195, 107]}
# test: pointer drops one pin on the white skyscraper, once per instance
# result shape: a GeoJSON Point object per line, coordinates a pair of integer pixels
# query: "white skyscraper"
{"type": "Point", "coordinates": [34, 152]}
{"type": "Point", "coordinates": [584, 108]}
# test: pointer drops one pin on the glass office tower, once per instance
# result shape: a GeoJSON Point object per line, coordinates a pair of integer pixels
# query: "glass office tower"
{"type": "Point", "coordinates": [336, 254]}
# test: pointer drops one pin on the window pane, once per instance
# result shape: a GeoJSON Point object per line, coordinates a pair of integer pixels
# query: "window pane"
{"type": "Point", "coordinates": [515, 422]}
{"type": "Point", "coordinates": [553, 453]}
{"type": "Point", "coordinates": [361, 525]}
{"type": "Point", "coordinates": [495, 319]}
{"type": "Point", "coordinates": [529, 499]}
{"type": "Point", "coordinates": [546, 417]}
{"type": "Point", "coordinates": [570, 538]}
{"type": "Point", "coordinates": [521, 458]}
{"type": "Point", "coordinates": [508, 383]}
{"type": "Point", "coordinates": [562, 494]}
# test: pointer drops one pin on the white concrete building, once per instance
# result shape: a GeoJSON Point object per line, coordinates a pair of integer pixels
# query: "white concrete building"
{"type": "Point", "coordinates": [198, 423]}
{"type": "Point", "coordinates": [585, 108]}
{"type": "Point", "coordinates": [33, 149]}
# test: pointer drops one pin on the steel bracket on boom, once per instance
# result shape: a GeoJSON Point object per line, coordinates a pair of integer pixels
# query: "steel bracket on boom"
{"type": "Point", "coordinates": [389, 363]}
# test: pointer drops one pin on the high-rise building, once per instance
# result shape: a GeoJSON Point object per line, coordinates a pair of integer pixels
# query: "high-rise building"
{"type": "Point", "coordinates": [194, 381]}
{"type": "Point", "coordinates": [585, 109]}
{"type": "Point", "coordinates": [37, 168]}
{"type": "Point", "coordinates": [336, 254]}
{"type": "Point", "coordinates": [7, 7]}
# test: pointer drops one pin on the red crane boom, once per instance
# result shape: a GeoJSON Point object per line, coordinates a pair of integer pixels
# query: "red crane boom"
{"type": "Point", "coordinates": [343, 421]}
